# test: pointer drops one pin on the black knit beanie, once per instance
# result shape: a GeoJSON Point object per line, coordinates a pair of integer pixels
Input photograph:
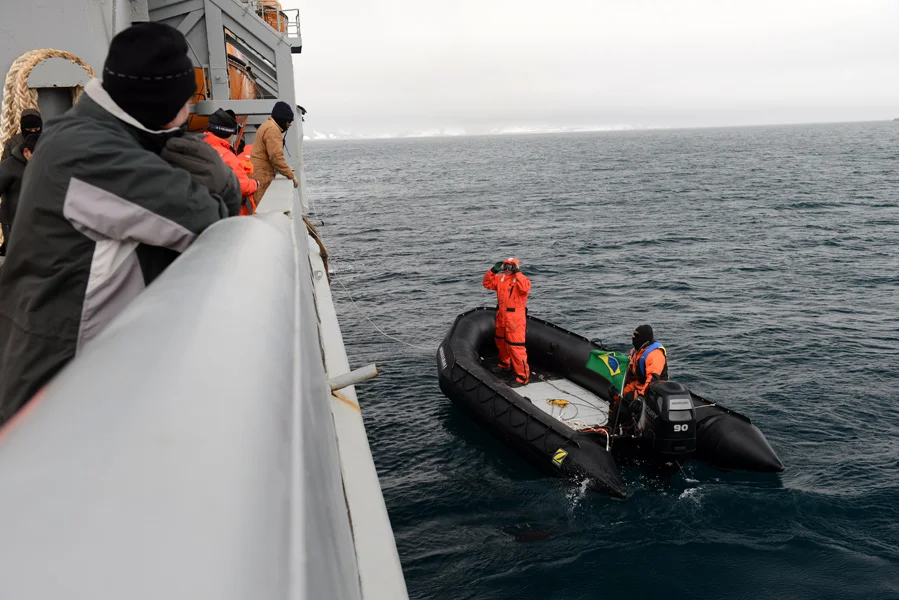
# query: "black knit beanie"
{"type": "Point", "coordinates": [148, 74]}
{"type": "Point", "coordinates": [642, 336]}
{"type": "Point", "coordinates": [282, 112]}
{"type": "Point", "coordinates": [222, 124]}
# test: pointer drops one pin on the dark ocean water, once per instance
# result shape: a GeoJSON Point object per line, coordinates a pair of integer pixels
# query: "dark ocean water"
{"type": "Point", "coordinates": [765, 258]}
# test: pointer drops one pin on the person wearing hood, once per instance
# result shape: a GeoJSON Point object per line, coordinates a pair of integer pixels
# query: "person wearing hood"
{"type": "Point", "coordinates": [222, 126]}
{"type": "Point", "coordinates": [30, 122]}
{"type": "Point", "coordinates": [512, 289]}
{"type": "Point", "coordinates": [649, 363]}
{"type": "Point", "coordinates": [12, 170]}
{"type": "Point", "coordinates": [114, 194]}
{"type": "Point", "coordinates": [268, 149]}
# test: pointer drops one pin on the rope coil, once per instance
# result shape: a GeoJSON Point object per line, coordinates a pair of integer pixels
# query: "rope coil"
{"type": "Point", "coordinates": [17, 96]}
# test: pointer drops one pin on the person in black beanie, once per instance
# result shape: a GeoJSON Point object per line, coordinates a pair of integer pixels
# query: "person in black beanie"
{"type": "Point", "coordinates": [267, 157]}
{"type": "Point", "coordinates": [114, 193]}
{"type": "Point", "coordinates": [222, 127]}
{"type": "Point", "coordinates": [148, 75]}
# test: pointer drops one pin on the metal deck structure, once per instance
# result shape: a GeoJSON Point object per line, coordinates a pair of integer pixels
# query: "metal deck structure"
{"type": "Point", "coordinates": [195, 448]}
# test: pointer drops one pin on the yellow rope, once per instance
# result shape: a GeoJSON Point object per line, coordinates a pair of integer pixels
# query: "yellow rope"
{"type": "Point", "coordinates": [17, 96]}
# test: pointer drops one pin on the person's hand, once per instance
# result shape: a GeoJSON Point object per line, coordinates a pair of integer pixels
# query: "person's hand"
{"type": "Point", "coordinates": [296, 182]}
{"type": "Point", "coordinates": [496, 267]}
{"type": "Point", "coordinates": [515, 268]}
{"type": "Point", "coordinates": [613, 394]}
{"type": "Point", "coordinates": [202, 162]}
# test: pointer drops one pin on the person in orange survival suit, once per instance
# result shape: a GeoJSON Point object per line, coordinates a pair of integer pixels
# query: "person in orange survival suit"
{"type": "Point", "coordinates": [222, 126]}
{"type": "Point", "coordinates": [512, 289]}
{"type": "Point", "coordinates": [649, 363]}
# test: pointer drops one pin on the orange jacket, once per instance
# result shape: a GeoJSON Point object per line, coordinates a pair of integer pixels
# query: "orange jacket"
{"type": "Point", "coordinates": [511, 293]}
{"type": "Point", "coordinates": [247, 152]}
{"type": "Point", "coordinates": [244, 158]}
{"type": "Point", "coordinates": [656, 370]}
{"type": "Point", "coordinates": [247, 185]}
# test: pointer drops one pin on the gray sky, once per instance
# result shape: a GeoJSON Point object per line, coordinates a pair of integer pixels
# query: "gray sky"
{"type": "Point", "coordinates": [389, 66]}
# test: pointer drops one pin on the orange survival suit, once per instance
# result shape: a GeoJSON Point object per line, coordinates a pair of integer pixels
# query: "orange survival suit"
{"type": "Point", "coordinates": [512, 289]}
{"type": "Point", "coordinates": [248, 185]}
{"type": "Point", "coordinates": [649, 363]}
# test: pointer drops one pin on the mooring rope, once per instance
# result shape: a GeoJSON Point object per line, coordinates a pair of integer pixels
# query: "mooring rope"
{"type": "Point", "coordinates": [17, 96]}
{"type": "Point", "coordinates": [381, 331]}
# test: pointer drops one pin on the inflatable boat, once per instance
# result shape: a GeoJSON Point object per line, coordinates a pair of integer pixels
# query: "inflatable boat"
{"type": "Point", "coordinates": [560, 419]}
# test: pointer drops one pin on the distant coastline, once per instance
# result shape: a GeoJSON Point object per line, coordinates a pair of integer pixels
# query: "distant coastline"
{"type": "Point", "coordinates": [466, 132]}
{"type": "Point", "coordinates": [453, 132]}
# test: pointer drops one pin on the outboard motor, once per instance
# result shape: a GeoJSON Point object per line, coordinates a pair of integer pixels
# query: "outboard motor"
{"type": "Point", "coordinates": [668, 421]}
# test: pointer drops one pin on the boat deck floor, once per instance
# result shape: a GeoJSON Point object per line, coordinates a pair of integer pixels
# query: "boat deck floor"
{"type": "Point", "coordinates": [560, 398]}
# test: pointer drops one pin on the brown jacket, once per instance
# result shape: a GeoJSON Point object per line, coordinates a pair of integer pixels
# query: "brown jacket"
{"type": "Point", "coordinates": [268, 156]}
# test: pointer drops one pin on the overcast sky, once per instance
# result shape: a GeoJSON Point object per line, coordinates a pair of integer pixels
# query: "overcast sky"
{"type": "Point", "coordinates": [389, 65]}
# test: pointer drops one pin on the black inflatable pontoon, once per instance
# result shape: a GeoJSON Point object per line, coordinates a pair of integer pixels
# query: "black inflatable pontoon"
{"type": "Point", "coordinates": [560, 419]}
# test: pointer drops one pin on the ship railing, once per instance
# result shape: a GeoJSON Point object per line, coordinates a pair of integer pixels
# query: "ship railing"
{"type": "Point", "coordinates": [283, 20]}
{"type": "Point", "coordinates": [293, 22]}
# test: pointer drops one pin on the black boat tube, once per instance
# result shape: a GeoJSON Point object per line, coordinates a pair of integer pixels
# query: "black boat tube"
{"type": "Point", "coordinates": [726, 439]}
{"type": "Point", "coordinates": [547, 442]}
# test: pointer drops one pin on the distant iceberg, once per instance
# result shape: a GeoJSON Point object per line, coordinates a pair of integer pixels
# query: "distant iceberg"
{"type": "Point", "coordinates": [544, 129]}
{"type": "Point", "coordinates": [461, 131]}
{"type": "Point", "coordinates": [318, 135]}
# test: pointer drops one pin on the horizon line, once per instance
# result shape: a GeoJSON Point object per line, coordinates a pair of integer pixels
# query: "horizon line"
{"type": "Point", "coordinates": [523, 130]}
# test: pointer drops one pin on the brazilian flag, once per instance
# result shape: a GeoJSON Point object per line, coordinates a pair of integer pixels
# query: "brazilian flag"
{"type": "Point", "coordinates": [611, 365]}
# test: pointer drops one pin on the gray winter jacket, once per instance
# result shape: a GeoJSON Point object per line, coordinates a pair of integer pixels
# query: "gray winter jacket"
{"type": "Point", "coordinates": [100, 214]}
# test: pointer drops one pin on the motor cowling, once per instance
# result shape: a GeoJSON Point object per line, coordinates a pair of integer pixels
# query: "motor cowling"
{"type": "Point", "coordinates": [667, 420]}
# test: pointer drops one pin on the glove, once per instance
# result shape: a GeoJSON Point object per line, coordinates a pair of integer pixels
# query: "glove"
{"type": "Point", "coordinates": [496, 267]}
{"type": "Point", "coordinates": [636, 406]}
{"type": "Point", "coordinates": [613, 394]}
{"type": "Point", "coordinates": [296, 182]}
{"type": "Point", "coordinates": [206, 167]}
{"type": "Point", "coordinates": [515, 268]}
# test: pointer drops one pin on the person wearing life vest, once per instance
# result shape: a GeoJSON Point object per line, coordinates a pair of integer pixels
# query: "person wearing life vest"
{"type": "Point", "coordinates": [222, 126]}
{"type": "Point", "coordinates": [649, 363]}
{"type": "Point", "coordinates": [512, 289]}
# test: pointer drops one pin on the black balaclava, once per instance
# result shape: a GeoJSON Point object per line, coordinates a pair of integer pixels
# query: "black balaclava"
{"type": "Point", "coordinates": [642, 336]}
{"type": "Point", "coordinates": [148, 74]}
{"type": "Point", "coordinates": [282, 114]}
{"type": "Point", "coordinates": [31, 119]}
